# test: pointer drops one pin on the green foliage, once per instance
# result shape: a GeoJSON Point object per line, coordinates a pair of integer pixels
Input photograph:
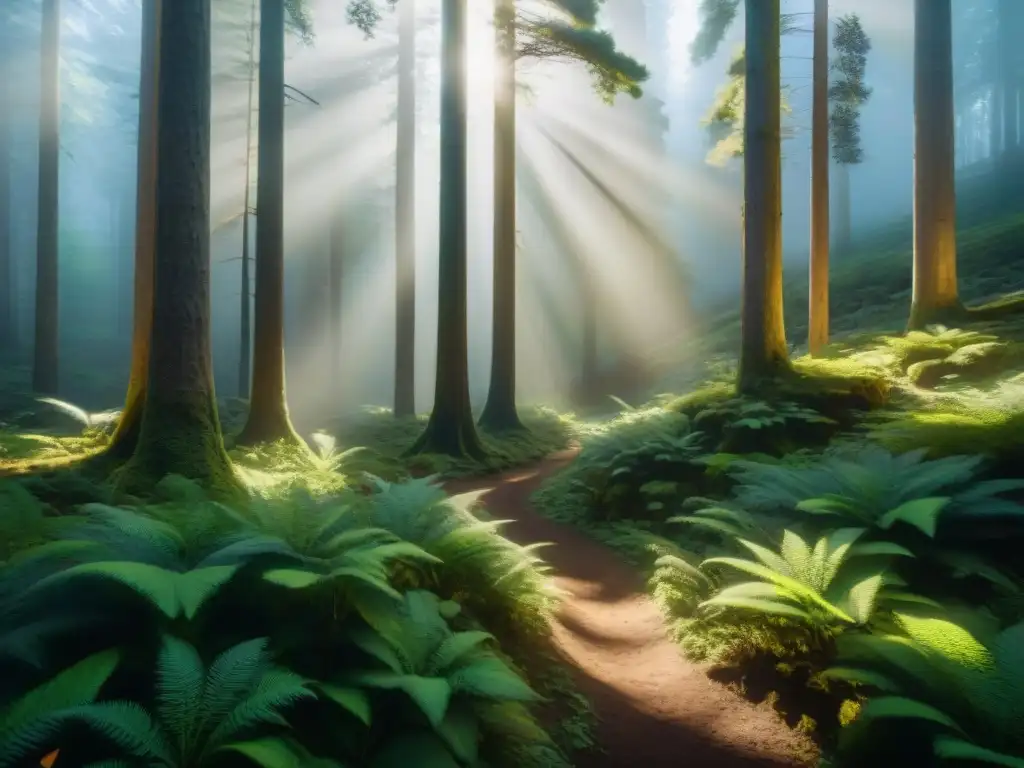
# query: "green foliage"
{"type": "Point", "coordinates": [968, 691]}
{"type": "Point", "coordinates": [28, 724]}
{"type": "Point", "coordinates": [715, 18]}
{"type": "Point", "coordinates": [847, 91]}
{"type": "Point", "coordinates": [633, 466]}
{"type": "Point", "coordinates": [568, 34]}
{"type": "Point", "coordinates": [315, 613]}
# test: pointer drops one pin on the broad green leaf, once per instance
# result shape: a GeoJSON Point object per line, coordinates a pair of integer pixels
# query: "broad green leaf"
{"type": "Point", "coordinates": [950, 748]}
{"type": "Point", "coordinates": [800, 590]}
{"type": "Point", "coordinates": [861, 677]}
{"type": "Point", "coordinates": [461, 731]}
{"type": "Point", "coordinates": [824, 506]}
{"type": "Point", "coordinates": [922, 514]}
{"type": "Point", "coordinates": [196, 587]}
{"type": "Point", "coordinates": [876, 548]}
{"type": "Point", "coordinates": [78, 684]}
{"type": "Point", "coordinates": [291, 578]}
{"type": "Point", "coordinates": [431, 694]}
{"type": "Point", "coordinates": [352, 700]}
{"type": "Point", "coordinates": [763, 606]}
{"type": "Point", "coordinates": [154, 583]}
{"type": "Point", "coordinates": [269, 752]}
{"type": "Point", "coordinates": [898, 707]}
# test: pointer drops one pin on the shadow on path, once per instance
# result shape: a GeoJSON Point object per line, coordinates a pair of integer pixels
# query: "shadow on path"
{"type": "Point", "coordinates": [655, 709]}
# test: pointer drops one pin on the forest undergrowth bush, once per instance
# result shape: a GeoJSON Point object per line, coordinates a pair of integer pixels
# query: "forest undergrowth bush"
{"type": "Point", "coordinates": [348, 629]}
{"type": "Point", "coordinates": [784, 532]}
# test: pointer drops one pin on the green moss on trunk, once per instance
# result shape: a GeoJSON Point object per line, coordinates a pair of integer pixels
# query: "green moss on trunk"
{"type": "Point", "coordinates": [180, 435]}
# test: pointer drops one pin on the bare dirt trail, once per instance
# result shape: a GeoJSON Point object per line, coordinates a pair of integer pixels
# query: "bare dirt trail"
{"type": "Point", "coordinates": [655, 709]}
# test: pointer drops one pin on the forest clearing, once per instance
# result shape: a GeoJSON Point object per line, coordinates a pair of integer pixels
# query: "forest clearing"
{"type": "Point", "coordinates": [576, 464]}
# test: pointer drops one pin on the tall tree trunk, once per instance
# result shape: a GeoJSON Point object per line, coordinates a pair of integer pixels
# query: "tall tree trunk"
{"type": "Point", "coordinates": [126, 435]}
{"type": "Point", "coordinates": [818, 320]}
{"type": "Point", "coordinates": [842, 231]}
{"type": "Point", "coordinates": [450, 429]}
{"type": "Point", "coordinates": [935, 294]}
{"type": "Point", "coordinates": [45, 373]}
{"type": "Point", "coordinates": [499, 412]}
{"type": "Point", "coordinates": [268, 410]}
{"type": "Point", "coordinates": [405, 216]}
{"type": "Point", "coordinates": [763, 351]}
{"type": "Point", "coordinates": [245, 315]}
{"type": "Point", "coordinates": [8, 336]}
{"type": "Point", "coordinates": [180, 432]}
{"type": "Point", "coordinates": [335, 282]}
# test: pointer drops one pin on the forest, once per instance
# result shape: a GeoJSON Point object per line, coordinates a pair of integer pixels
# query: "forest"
{"type": "Point", "coordinates": [655, 383]}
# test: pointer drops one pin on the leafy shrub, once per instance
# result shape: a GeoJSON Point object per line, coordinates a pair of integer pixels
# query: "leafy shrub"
{"type": "Point", "coordinates": [969, 692]}
{"type": "Point", "coordinates": [327, 652]}
{"type": "Point", "coordinates": [635, 467]}
{"type": "Point", "coordinates": [746, 425]}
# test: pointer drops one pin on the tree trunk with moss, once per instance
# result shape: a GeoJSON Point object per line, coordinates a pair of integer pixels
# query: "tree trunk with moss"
{"type": "Point", "coordinates": [45, 372]}
{"type": "Point", "coordinates": [451, 430]}
{"type": "Point", "coordinates": [500, 414]}
{"type": "Point", "coordinates": [818, 319]}
{"type": "Point", "coordinates": [126, 434]}
{"type": "Point", "coordinates": [405, 216]}
{"type": "Point", "coordinates": [268, 410]}
{"type": "Point", "coordinates": [763, 351]}
{"type": "Point", "coordinates": [180, 432]}
{"type": "Point", "coordinates": [935, 293]}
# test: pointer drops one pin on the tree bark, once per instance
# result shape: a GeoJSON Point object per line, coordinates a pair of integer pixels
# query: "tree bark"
{"type": "Point", "coordinates": [843, 229]}
{"type": "Point", "coordinates": [268, 419]}
{"type": "Point", "coordinates": [126, 434]}
{"type": "Point", "coordinates": [499, 414]}
{"type": "Point", "coordinates": [818, 320]}
{"type": "Point", "coordinates": [180, 432]}
{"type": "Point", "coordinates": [763, 351]}
{"type": "Point", "coordinates": [45, 370]}
{"type": "Point", "coordinates": [451, 430]}
{"type": "Point", "coordinates": [405, 216]}
{"type": "Point", "coordinates": [245, 299]}
{"type": "Point", "coordinates": [935, 294]}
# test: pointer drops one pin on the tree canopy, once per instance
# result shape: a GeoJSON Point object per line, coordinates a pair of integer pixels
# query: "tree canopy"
{"type": "Point", "coordinates": [847, 92]}
{"type": "Point", "coordinates": [563, 30]}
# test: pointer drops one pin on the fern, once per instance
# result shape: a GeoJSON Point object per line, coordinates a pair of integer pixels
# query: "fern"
{"type": "Point", "coordinates": [971, 692]}
{"type": "Point", "coordinates": [33, 723]}
{"type": "Point", "coordinates": [449, 676]}
{"type": "Point", "coordinates": [200, 712]}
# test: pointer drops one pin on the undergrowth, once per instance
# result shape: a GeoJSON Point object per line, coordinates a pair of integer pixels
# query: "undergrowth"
{"type": "Point", "coordinates": [303, 629]}
{"type": "Point", "coordinates": [780, 532]}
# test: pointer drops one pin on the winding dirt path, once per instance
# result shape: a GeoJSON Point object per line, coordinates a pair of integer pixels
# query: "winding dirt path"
{"type": "Point", "coordinates": [655, 709]}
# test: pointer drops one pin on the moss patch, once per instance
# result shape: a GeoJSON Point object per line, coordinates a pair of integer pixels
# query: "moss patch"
{"type": "Point", "coordinates": [386, 439]}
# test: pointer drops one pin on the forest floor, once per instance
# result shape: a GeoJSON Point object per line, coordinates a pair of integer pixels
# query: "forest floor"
{"type": "Point", "coordinates": [654, 708]}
